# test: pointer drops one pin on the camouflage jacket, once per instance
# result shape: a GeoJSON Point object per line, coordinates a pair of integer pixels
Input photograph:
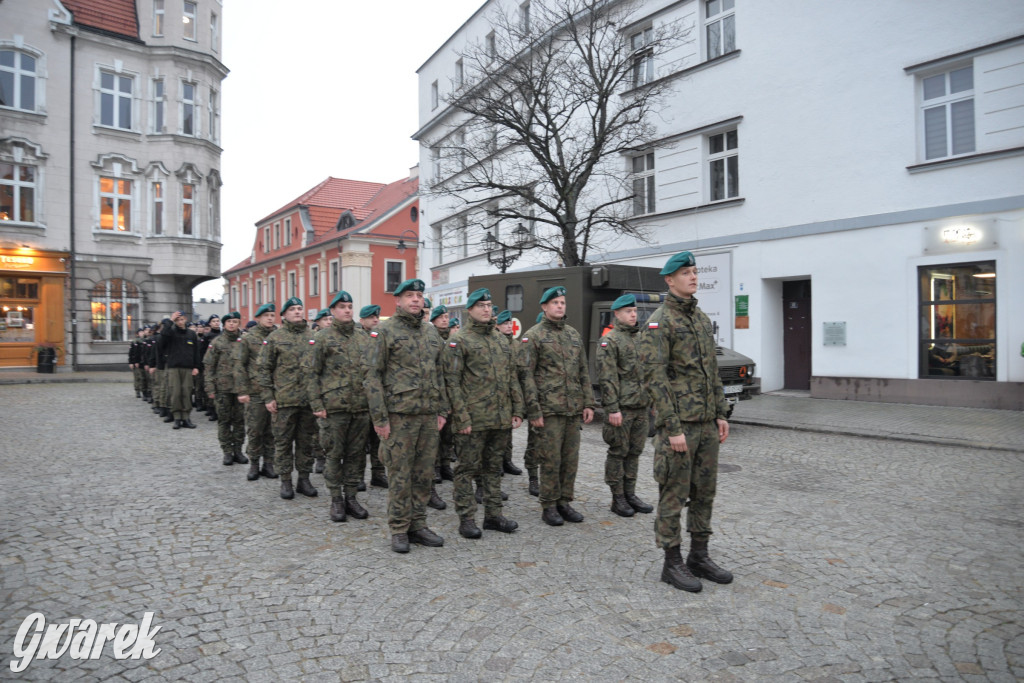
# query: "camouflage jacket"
{"type": "Point", "coordinates": [246, 383]}
{"type": "Point", "coordinates": [339, 368]}
{"type": "Point", "coordinates": [220, 363]}
{"type": "Point", "coordinates": [619, 370]}
{"type": "Point", "coordinates": [284, 365]}
{"type": "Point", "coordinates": [556, 381]}
{"type": "Point", "coordinates": [481, 378]}
{"type": "Point", "coordinates": [404, 369]}
{"type": "Point", "coordinates": [678, 354]}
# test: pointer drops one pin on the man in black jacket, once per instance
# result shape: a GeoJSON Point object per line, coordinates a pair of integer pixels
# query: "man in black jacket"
{"type": "Point", "coordinates": [181, 347]}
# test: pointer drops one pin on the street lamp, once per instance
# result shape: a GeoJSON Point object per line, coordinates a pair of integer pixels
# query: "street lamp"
{"type": "Point", "coordinates": [401, 241]}
{"type": "Point", "coordinates": [503, 255]}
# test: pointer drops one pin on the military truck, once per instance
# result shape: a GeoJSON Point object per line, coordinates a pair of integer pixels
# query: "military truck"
{"type": "Point", "coordinates": [591, 291]}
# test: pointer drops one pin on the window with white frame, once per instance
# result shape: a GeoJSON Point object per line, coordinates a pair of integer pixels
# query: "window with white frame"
{"type": "Point", "coordinates": [947, 106]}
{"type": "Point", "coordinates": [157, 217]}
{"type": "Point", "coordinates": [188, 205]}
{"type": "Point", "coordinates": [314, 280]}
{"type": "Point", "coordinates": [214, 31]}
{"type": "Point", "coordinates": [115, 204]}
{"type": "Point", "coordinates": [213, 220]}
{"type": "Point", "coordinates": [643, 56]}
{"type": "Point", "coordinates": [335, 280]}
{"type": "Point", "coordinates": [116, 100]}
{"type": "Point", "coordinates": [116, 308]}
{"type": "Point", "coordinates": [188, 19]}
{"type": "Point", "coordinates": [189, 121]}
{"type": "Point", "coordinates": [643, 184]}
{"type": "Point", "coordinates": [277, 235]}
{"type": "Point", "coordinates": [394, 275]}
{"type": "Point", "coordinates": [724, 165]}
{"type": "Point", "coordinates": [293, 288]}
{"type": "Point", "coordinates": [257, 293]}
{"type": "Point", "coordinates": [17, 80]}
{"type": "Point", "coordinates": [266, 240]}
{"type": "Point", "coordinates": [272, 289]}
{"type": "Point", "coordinates": [158, 105]}
{"type": "Point", "coordinates": [245, 293]}
{"type": "Point", "coordinates": [524, 17]}
{"type": "Point", "coordinates": [158, 17]}
{"type": "Point", "coordinates": [17, 192]}
{"type": "Point", "coordinates": [211, 107]}
{"type": "Point", "coordinates": [287, 231]}
{"type": "Point", "coordinates": [433, 95]}
{"type": "Point", "coordinates": [460, 74]}
{"type": "Point", "coordinates": [720, 27]}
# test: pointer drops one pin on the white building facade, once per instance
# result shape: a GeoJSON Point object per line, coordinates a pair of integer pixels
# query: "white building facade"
{"type": "Point", "coordinates": [110, 152]}
{"type": "Point", "coordinates": [851, 181]}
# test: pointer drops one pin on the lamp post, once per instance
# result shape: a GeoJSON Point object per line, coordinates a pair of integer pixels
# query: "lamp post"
{"type": "Point", "coordinates": [504, 255]}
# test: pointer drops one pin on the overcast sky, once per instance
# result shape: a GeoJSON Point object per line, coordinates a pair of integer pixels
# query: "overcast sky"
{"type": "Point", "coordinates": [318, 88]}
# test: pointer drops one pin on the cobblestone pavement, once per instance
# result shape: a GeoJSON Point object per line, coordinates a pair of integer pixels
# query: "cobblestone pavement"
{"type": "Point", "coordinates": [855, 559]}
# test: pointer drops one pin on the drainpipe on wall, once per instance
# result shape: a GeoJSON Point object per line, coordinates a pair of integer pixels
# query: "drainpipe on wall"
{"type": "Point", "coordinates": [71, 207]}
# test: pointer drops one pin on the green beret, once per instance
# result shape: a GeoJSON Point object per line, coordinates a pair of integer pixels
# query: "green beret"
{"type": "Point", "coordinates": [683, 259]}
{"type": "Point", "coordinates": [504, 317]}
{"type": "Point", "coordinates": [494, 311]}
{"type": "Point", "coordinates": [437, 312]}
{"type": "Point", "coordinates": [624, 301]}
{"type": "Point", "coordinates": [426, 303]}
{"type": "Point", "coordinates": [454, 322]}
{"type": "Point", "coordinates": [540, 316]}
{"type": "Point", "coordinates": [478, 295]}
{"type": "Point", "coordinates": [294, 301]}
{"type": "Point", "coordinates": [323, 313]}
{"type": "Point", "coordinates": [413, 285]}
{"type": "Point", "coordinates": [265, 308]}
{"type": "Point", "coordinates": [341, 296]}
{"type": "Point", "coordinates": [367, 311]}
{"type": "Point", "coordinates": [233, 314]}
{"type": "Point", "coordinates": [551, 294]}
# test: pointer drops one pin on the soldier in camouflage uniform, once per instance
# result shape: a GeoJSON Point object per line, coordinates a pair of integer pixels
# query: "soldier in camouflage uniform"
{"type": "Point", "coordinates": [678, 353]}
{"type": "Point", "coordinates": [487, 403]}
{"type": "Point", "coordinates": [283, 374]}
{"type": "Point", "coordinates": [250, 394]}
{"type": "Point", "coordinates": [320, 445]}
{"type": "Point", "coordinates": [558, 396]}
{"type": "Point", "coordinates": [446, 443]}
{"type": "Point", "coordinates": [530, 455]}
{"type": "Point", "coordinates": [408, 404]}
{"type": "Point", "coordinates": [369, 318]}
{"type": "Point", "coordinates": [625, 401]}
{"type": "Point", "coordinates": [504, 325]}
{"type": "Point", "coordinates": [338, 400]}
{"type": "Point", "coordinates": [219, 371]}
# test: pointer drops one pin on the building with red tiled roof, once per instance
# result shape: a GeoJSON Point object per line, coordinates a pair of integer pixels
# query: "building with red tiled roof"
{"type": "Point", "coordinates": [350, 235]}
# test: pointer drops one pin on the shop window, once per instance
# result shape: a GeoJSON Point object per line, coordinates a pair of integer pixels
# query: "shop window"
{"type": "Point", "coordinates": [18, 299]}
{"type": "Point", "coordinates": [958, 320]}
{"type": "Point", "coordinates": [116, 310]}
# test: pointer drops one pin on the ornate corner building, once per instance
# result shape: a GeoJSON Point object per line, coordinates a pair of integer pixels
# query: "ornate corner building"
{"type": "Point", "coordinates": [109, 170]}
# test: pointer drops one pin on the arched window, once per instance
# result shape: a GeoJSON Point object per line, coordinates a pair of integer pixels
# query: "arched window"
{"type": "Point", "coordinates": [116, 310]}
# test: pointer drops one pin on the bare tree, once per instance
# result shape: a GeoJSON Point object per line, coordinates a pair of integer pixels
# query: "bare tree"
{"type": "Point", "coordinates": [548, 109]}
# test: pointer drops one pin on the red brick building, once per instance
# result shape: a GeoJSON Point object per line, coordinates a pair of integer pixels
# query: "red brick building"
{"type": "Point", "coordinates": [342, 234]}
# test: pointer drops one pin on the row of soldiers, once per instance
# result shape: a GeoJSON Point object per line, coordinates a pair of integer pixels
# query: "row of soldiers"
{"type": "Point", "coordinates": [406, 381]}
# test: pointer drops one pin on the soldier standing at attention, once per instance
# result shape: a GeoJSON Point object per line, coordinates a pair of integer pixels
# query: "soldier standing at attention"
{"type": "Point", "coordinates": [283, 374]}
{"type": "Point", "coordinates": [219, 369]}
{"type": "Point", "coordinates": [446, 444]}
{"type": "Point", "coordinates": [625, 401]}
{"type": "Point", "coordinates": [558, 395]}
{"type": "Point", "coordinates": [250, 394]}
{"type": "Point", "coordinates": [408, 404]}
{"type": "Point", "coordinates": [678, 352]}
{"type": "Point", "coordinates": [320, 445]}
{"type": "Point", "coordinates": [369, 318]}
{"type": "Point", "coordinates": [530, 455]}
{"type": "Point", "coordinates": [213, 330]}
{"type": "Point", "coordinates": [181, 348]}
{"type": "Point", "coordinates": [158, 372]}
{"type": "Point", "coordinates": [504, 325]}
{"type": "Point", "coordinates": [133, 361]}
{"type": "Point", "coordinates": [487, 403]}
{"type": "Point", "coordinates": [338, 400]}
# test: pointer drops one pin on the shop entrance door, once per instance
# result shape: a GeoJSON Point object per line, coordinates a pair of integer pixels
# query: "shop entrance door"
{"type": "Point", "coordinates": [796, 335]}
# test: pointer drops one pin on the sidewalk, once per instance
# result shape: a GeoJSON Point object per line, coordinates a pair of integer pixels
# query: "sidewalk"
{"type": "Point", "coordinates": [32, 377]}
{"type": "Point", "coordinates": [973, 427]}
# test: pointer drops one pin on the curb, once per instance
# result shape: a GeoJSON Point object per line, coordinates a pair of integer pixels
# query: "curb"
{"type": "Point", "coordinates": [73, 380]}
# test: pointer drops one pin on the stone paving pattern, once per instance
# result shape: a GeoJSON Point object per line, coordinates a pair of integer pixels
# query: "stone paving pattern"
{"type": "Point", "coordinates": [856, 559]}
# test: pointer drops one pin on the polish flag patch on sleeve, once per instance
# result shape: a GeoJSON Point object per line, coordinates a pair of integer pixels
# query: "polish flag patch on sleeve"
{"type": "Point", "coordinates": [373, 334]}
{"type": "Point", "coordinates": [312, 341]}
{"type": "Point", "coordinates": [652, 326]}
{"type": "Point", "coordinates": [604, 343]}
{"type": "Point", "coordinates": [452, 344]}
{"type": "Point", "coordinates": [264, 342]}
{"type": "Point", "coordinates": [526, 339]}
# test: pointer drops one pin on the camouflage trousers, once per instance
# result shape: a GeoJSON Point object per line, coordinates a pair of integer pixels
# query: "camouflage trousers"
{"type": "Point", "coordinates": [230, 422]}
{"type": "Point", "coordinates": [258, 429]}
{"type": "Point", "coordinates": [480, 456]}
{"type": "Point", "coordinates": [409, 454]}
{"type": "Point", "coordinates": [625, 444]}
{"type": "Point", "coordinates": [530, 455]}
{"type": "Point", "coordinates": [319, 444]}
{"type": "Point", "coordinates": [445, 445]}
{"type": "Point", "coordinates": [558, 454]}
{"type": "Point", "coordinates": [690, 475]}
{"type": "Point", "coordinates": [179, 392]}
{"type": "Point", "coordinates": [344, 434]}
{"type": "Point", "coordinates": [372, 454]}
{"type": "Point", "coordinates": [293, 436]}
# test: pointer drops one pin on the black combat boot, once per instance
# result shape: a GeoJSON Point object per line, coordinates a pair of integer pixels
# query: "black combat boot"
{"type": "Point", "coordinates": [426, 537]}
{"type": "Point", "coordinates": [169, 417]}
{"type": "Point", "coordinates": [551, 517]}
{"type": "Point", "coordinates": [157, 409]}
{"type": "Point", "coordinates": [304, 487]}
{"type": "Point", "coordinates": [229, 459]}
{"type": "Point", "coordinates": [188, 423]}
{"type": "Point", "coordinates": [400, 543]}
{"type": "Point", "coordinates": [501, 524]}
{"type": "Point", "coordinates": [268, 468]}
{"type": "Point", "coordinates": [620, 506]}
{"type": "Point", "coordinates": [212, 412]}
{"type": "Point", "coordinates": [435, 500]}
{"type": "Point", "coordinates": [287, 492]}
{"type": "Point", "coordinates": [701, 565]}
{"type": "Point", "coordinates": [138, 394]}
{"type": "Point", "coordinates": [568, 514]}
{"type": "Point", "coordinates": [362, 486]}
{"type": "Point", "coordinates": [446, 471]}
{"type": "Point", "coordinates": [254, 470]}
{"type": "Point", "coordinates": [318, 465]}
{"type": "Point", "coordinates": [437, 474]}
{"type": "Point", "coordinates": [676, 574]}
{"type": "Point", "coordinates": [238, 457]}
{"type": "Point", "coordinates": [177, 423]}
{"type": "Point", "coordinates": [638, 504]}
{"type": "Point", "coordinates": [379, 479]}
{"type": "Point", "coordinates": [469, 529]}
{"type": "Point", "coordinates": [337, 509]}
{"type": "Point", "coordinates": [508, 467]}
{"type": "Point", "coordinates": [534, 483]}
{"type": "Point", "coordinates": [353, 508]}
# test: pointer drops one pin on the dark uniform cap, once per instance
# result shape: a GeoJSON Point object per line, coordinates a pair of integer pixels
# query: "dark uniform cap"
{"type": "Point", "coordinates": [324, 312]}
{"type": "Point", "coordinates": [551, 294]}
{"type": "Point", "coordinates": [251, 323]}
{"type": "Point", "coordinates": [454, 322]}
{"type": "Point", "coordinates": [233, 314]}
{"type": "Point", "coordinates": [199, 322]}
{"type": "Point", "coordinates": [504, 317]}
{"type": "Point", "coordinates": [265, 308]}
{"type": "Point", "coordinates": [413, 285]}
{"type": "Point", "coordinates": [341, 296]}
{"type": "Point", "coordinates": [294, 301]}
{"type": "Point", "coordinates": [683, 259]}
{"type": "Point", "coordinates": [478, 295]}
{"type": "Point", "coordinates": [624, 301]}
{"type": "Point", "coordinates": [540, 316]}
{"type": "Point", "coordinates": [367, 311]}
{"type": "Point", "coordinates": [437, 312]}
{"type": "Point", "coordinates": [210, 319]}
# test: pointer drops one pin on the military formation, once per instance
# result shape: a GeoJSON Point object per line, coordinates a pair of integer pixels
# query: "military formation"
{"type": "Point", "coordinates": [410, 395]}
